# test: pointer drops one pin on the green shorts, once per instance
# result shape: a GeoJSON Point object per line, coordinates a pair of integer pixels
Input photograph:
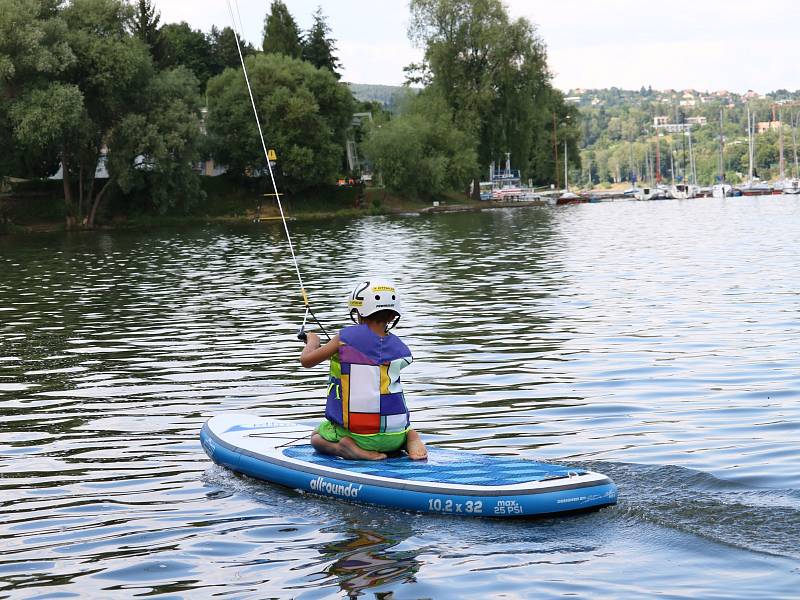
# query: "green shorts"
{"type": "Point", "coordinates": [377, 442]}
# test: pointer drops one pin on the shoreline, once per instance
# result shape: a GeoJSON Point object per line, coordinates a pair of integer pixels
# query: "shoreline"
{"type": "Point", "coordinates": [377, 202]}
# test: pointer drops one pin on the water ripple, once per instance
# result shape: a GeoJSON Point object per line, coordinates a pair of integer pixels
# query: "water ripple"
{"type": "Point", "coordinates": [655, 342]}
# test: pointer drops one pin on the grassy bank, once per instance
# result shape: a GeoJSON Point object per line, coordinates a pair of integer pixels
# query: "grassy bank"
{"type": "Point", "coordinates": [39, 205]}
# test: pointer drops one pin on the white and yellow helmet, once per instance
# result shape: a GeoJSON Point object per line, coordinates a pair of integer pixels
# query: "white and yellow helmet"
{"type": "Point", "coordinates": [369, 297]}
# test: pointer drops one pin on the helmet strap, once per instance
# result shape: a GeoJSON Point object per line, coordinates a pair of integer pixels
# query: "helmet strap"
{"type": "Point", "coordinates": [354, 316]}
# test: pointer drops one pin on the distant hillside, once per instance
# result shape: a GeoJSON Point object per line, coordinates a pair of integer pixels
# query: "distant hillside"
{"type": "Point", "coordinates": [644, 134]}
{"type": "Point", "coordinates": [388, 95]}
{"type": "Point", "coordinates": [688, 98]}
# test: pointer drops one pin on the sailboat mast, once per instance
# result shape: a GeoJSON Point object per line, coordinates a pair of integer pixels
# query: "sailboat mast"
{"type": "Point", "coordinates": [794, 144]}
{"type": "Point", "coordinates": [780, 144]}
{"type": "Point", "coordinates": [683, 149]}
{"type": "Point", "coordinates": [555, 151]}
{"type": "Point", "coordinates": [721, 165]}
{"type": "Point", "coordinates": [566, 180]}
{"type": "Point", "coordinates": [658, 160]}
{"type": "Point", "coordinates": [749, 145]}
{"type": "Point", "coordinates": [630, 161]}
{"type": "Point", "coordinates": [671, 164]}
{"type": "Point", "coordinates": [753, 159]}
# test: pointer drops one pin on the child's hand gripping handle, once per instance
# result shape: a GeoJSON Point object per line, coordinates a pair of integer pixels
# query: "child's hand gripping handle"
{"type": "Point", "coordinates": [301, 333]}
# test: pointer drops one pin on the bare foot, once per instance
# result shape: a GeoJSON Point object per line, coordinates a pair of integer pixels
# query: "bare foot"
{"type": "Point", "coordinates": [346, 448]}
{"type": "Point", "coordinates": [414, 446]}
{"type": "Point", "coordinates": [349, 449]}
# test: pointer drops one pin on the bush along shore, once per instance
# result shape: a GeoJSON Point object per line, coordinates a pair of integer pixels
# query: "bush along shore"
{"type": "Point", "coordinates": [30, 206]}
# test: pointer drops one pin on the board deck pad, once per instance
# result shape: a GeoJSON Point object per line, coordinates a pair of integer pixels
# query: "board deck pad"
{"type": "Point", "coordinates": [453, 482]}
{"type": "Point", "coordinates": [443, 466]}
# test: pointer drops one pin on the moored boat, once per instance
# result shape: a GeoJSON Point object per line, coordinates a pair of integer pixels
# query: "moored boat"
{"type": "Point", "coordinates": [792, 187]}
{"type": "Point", "coordinates": [683, 191]}
{"type": "Point", "coordinates": [755, 188]}
{"type": "Point", "coordinates": [505, 185]}
{"type": "Point", "coordinates": [721, 190]}
{"type": "Point", "coordinates": [569, 198]}
{"type": "Point", "coordinates": [650, 193]}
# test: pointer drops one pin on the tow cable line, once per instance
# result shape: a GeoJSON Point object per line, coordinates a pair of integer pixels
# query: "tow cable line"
{"type": "Point", "coordinates": [237, 32]}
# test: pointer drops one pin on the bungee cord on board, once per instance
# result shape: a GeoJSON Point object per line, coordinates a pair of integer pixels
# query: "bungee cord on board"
{"type": "Point", "coordinates": [236, 21]}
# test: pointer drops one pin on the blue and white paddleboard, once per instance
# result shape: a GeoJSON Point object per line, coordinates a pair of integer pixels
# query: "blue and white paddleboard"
{"type": "Point", "coordinates": [448, 482]}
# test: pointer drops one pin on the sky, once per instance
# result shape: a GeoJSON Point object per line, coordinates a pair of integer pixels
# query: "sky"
{"type": "Point", "coordinates": [735, 45]}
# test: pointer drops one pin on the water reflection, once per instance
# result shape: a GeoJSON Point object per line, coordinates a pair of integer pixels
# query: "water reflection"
{"type": "Point", "coordinates": [366, 560]}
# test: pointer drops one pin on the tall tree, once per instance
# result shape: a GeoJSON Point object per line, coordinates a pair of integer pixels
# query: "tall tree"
{"type": "Point", "coordinates": [191, 48]}
{"type": "Point", "coordinates": [281, 34]}
{"type": "Point", "coordinates": [304, 113]}
{"type": "Point", "coordinates": [491, 71]}
{"type": "Point", "coordinates": [152, 150]}
{"type": "Point", "coordinates": [33, 53]}
{"type": "Point", "coordinates": [144, 25]}
{"type": "Point", "coordinates": [224, 51]}
{"type": "Point", "coordinates": [319, 47]}
{"type": "Point", "coordinates": [111, 72]}
{"type": "Point", "coordinates": [99, 97]}
{"type": "Point", "coordinates": [421, 152]}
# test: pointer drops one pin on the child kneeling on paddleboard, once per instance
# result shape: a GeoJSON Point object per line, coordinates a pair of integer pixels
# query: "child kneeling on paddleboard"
{"type": "Point", "coordinates": [366, 413]}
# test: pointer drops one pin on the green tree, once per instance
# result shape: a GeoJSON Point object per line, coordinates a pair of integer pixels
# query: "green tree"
{"type": "Point", "coordinates": [766, 155]}
{"type": "Point", "coordinates": [491, 72]}
{"type": "Point", "coordinates": [144, 25]}
{"type": "Point", "coordinates": [554, 123]}
{"type": "Point", "coordinates": [111, 71]}
{"type": "Point", "coordinates": [304, 114]}
{"type": "Point", "coordinates": [43, 120]}
{"type": "Point", "coordinates": [319, 48]}
{"type": "Point", "coordinates": [421, 153]}
{"type": "Point", "coordinates": [224, 51]}
{"type": "Point", "coordinates": [152, 150]}
{"type": "Point", "coordinates": [105, 101]}
{"type": "Point", "coordinates": [281, 34]}
{"type": "Point", "coordinates": [33, 53]}
{"type": "Point", "coordinates": [191, 48]}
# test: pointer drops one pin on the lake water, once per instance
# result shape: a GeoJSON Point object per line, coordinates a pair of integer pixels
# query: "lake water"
{"type": "Point", "coordinates": [654, 342]}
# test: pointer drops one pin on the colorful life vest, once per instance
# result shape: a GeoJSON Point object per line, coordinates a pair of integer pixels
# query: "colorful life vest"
{"type": "Point", "coordinates": [364, 391]}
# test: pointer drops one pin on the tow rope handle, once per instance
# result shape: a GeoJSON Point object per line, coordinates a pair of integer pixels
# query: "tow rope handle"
{"type": "Point", "coordinates": [301, 333]}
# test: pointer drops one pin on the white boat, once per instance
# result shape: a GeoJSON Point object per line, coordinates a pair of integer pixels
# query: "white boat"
{"type": "Point", "coordinates": [792, 187]}
{"type": "Point", "coordinates": [649, 193]}
{"type": "Point", "coordinates": [682, 191]}
{"type": "Point", "coordinates": [505, 185]}
{"type": "Point", "coordinates": [721, 190]}
{"type": "Point", "coordinates": [508, 193]}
